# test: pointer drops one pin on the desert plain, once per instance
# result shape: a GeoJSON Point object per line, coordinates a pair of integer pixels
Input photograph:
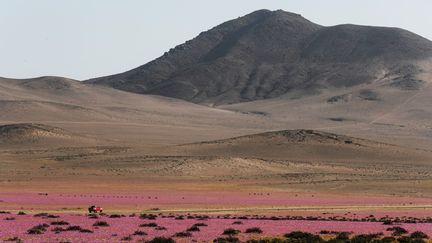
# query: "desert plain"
{"type": "Point", "coordinates": [352, 159]}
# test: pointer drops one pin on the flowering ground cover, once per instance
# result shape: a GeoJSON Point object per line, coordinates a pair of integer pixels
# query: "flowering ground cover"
{"type": "Point", "coordinates": [116, 227]}
{"type": "Point", "coordinates": [176, 215]}
{"type": "Point", "coordinates": [173, 199]}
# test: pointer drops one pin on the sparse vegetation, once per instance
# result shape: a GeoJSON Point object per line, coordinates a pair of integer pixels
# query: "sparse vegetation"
{"type": "Point", "coordinates": [140, 233]}
{"type": "Point", "coordinates": [364, 238]}
{"type": "Point", "coordinates": [57, 230]}
{"type": "Point", "coordinates": [127, 238]}
{"type": "Point", "coordinates": [148, 216]}
{"type": "Point", "coordinates": [397, 231]}
{"type": "Point", "coordinates": [59, 223]}
{"type": "Point", "coordinates": [85, 231]}
{"type": "Point", "coordinates": [303, 237]}
{"type": "Point", "coordinates": [200, 225]}
{"type": "Point", "coordinates": [254, 230]}
{"type": "Point", "coordinates": [40, 215]}
{"type": "Point", "coordinates": [38, 229]}
{"type": "Point", "coordinates": [73, 228]}
{"type": "Point", "coordinates": [14, 239]}
{"type": "Point", "coordinates": [160, 228]}
{"type": "Point", "coordinates": [161, 240]}
{"type": "Point", "coordinates": [230, 231]}
{"type": "Point", "coordinates": [183, 234]}
{"type": "Point", "coordinates": [231, 239]}
{"type": "Point", "coordinates": [101, 224]}
{"type": "Point", "coordinates": [419, 235]}
{"type": "Point", "coordinates": [193, 228]}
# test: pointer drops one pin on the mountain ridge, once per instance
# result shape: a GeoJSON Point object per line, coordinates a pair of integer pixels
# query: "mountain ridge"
{"type": "Point", "coordinates": [267, 54]}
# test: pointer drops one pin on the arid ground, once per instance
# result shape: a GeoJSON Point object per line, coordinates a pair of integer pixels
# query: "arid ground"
{"type": "Point", "coordinates": [317, 129]}
{"type": "Point", "coordinates": [149, 154]}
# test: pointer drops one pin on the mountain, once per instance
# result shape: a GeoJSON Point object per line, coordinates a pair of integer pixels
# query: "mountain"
{"type": "Point", "coordinates": [268, 54]}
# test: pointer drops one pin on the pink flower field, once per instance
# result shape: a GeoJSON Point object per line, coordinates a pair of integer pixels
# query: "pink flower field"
{"type": "Point", "coordinates": [315, 214]}
{"type": "Point", "coordinates": [186, 199]}
{"type": "Point", "coordinates": [118, 227]}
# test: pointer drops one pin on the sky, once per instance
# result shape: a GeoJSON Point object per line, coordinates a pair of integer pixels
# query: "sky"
{"type": "Point", "coordinates": [82, 39]}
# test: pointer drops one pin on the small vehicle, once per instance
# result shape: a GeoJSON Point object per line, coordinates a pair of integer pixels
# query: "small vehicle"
{"type": "Point", "coordinates": [95, 209]}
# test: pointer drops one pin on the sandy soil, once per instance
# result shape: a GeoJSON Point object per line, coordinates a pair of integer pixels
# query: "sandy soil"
{"type": "Point", "coordinates": [136, 144]}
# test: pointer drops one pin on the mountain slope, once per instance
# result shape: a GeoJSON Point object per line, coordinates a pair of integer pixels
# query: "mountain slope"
{"type": "Point", "coordinates": [267, 54]}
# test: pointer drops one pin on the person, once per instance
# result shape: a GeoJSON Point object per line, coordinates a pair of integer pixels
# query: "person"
{"type": "Point", "coordinates": [91, 208]}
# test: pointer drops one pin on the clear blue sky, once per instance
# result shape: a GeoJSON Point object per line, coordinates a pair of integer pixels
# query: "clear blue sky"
{"type": "Point", "coordinates": [88, 38]}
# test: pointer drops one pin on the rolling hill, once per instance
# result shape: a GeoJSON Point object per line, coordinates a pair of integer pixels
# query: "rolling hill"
{"type": "Point", "coordinates": [307, 145]}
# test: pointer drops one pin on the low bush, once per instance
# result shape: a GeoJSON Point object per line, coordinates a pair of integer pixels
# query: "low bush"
{"type": "Point", "coordinates": [21, 213]}
{"type": "Point", "coordinates": [237, 222]}
{"type": "Point", "coordinates": [419, 235]}
{"type": "Point", "coordinates": [57, 230]}
{"type": "Point", "coordinates": [183, 234]}
{"type": "Point", "coordinates": [364, 238]}
{"type": "Point", "coordinates": [229, 239]}
{"type": "Point", "coordinates": [161, 240]}
{"type": "Point", "coordinates": [38, 229]}
{"type": "Point", "coordinates": [85, 231]}
{"type": "Point", "coordinates": [230, 231]}
{"type": "Point", "coordinates": [160, 228]}
{"type": "Point", "coordinates": [343, 236]}
{"type": "Point", "coordinates": [397, 231]}
{"type": "Point", "coordinates": [405, 239]}
{"type": "Point", "coordinates": [303, 236]}
{"type": "Point", "coordinates": [193, 228]}
{"type": "Point", "coordinates": [40, 215]}
{"type": "Point", "coordinates": [15, 239]}
{"type": "Point", "coordinates": [127, 238]}
{"type": "Point", "coordinates": [148, 225]}
{"type": "Point", "coordinates": [254, 230]}
{"type": "Point", "coordinates": [388, 239]}
{"type": "Point", "coordinates": [387, 222]}
{"type": "Point", "coordinates": [140, 233]}
{"type": "Point", "coordinates": [200, 225]}
{"type": "Point", "coordinates": [59, 223]}
{"type": "Point", "coordinates": [101, 224]}
{"type": "Point", "coordinates": [148, 216]}
{"type": "Point", "coordinates": [74, 228]}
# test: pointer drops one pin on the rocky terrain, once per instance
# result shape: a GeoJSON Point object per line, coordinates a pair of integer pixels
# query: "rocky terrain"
{"type": "Point", "coordinates": [268, 54]}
